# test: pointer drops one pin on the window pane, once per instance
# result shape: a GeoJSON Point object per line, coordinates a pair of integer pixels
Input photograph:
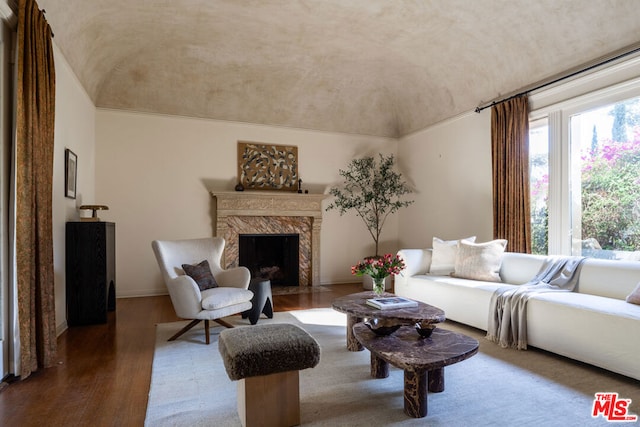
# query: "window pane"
{"type": "Point", "coordinates": [539, 185]}
{"type": "Point", "coordinates": [605, 146]}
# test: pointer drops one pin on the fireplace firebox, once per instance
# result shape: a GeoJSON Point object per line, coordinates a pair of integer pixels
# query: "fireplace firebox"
{"type": "Point", "coordinates": [271, 256]}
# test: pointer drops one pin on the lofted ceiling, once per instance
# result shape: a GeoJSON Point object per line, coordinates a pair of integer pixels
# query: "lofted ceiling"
{"type": "Point", "coordinates": [370, 67]}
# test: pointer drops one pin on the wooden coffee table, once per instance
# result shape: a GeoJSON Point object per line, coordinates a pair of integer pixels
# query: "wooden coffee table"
{"type": "Point", "coordinates": [422, 359]}
{"type": "Point", "coordinates": [355, 307]}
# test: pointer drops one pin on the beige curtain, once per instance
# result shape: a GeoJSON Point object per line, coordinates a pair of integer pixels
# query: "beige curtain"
{"type": "Point", "coordinates": [510, 155]}
{"type": "Point", "coordinates": [35, 102]}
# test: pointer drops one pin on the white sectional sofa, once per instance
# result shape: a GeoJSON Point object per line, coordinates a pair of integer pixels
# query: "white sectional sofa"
{"type": "Point", "coordinates": [592, 324]}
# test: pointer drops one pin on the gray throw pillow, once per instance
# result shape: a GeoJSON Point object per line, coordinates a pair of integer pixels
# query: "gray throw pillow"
{"type": "Point", "coordinates": [202, 275]}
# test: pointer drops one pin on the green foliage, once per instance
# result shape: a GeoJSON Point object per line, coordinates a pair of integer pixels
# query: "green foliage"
{"type": "Point", "coordinates": [540, 231]}
{"type": "Point", "coordinates": [373, 189]}
{"type": "Point", "coordinates": [610, 196]}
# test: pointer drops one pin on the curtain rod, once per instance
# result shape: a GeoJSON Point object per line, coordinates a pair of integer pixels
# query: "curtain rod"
{"type": "Point", "coordinates": [599, 62]}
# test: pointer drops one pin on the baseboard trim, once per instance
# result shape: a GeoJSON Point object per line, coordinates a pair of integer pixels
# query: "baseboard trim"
{"type": "Point", "coordinates": [138, 293]}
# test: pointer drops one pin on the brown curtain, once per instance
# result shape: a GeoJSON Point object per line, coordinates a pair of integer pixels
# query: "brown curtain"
{"type": "Point", "coordinates": [35, 103]}
{"type": "Point", "coordinates": [510, 155]}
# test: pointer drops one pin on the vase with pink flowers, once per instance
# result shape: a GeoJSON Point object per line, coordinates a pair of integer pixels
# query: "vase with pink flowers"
{"type": "Point", "coordinates": [379, 268]}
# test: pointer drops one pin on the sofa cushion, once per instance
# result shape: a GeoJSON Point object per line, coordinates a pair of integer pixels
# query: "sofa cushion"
{"type": "Point", "coordinates": [201, 273]}
{"type": "Point", "coordinates": [518, 268]}
{"type": "Point", "coordinates": [634, 296]}
{"type": "Point", "coordinates": [608, 278]}
{"type": "Point", "coordinates": [443, 257]}
{"type": "Point", "coordinates": [465, 301]}
{"type": "Point", "coordinates": [480, 261]}
{"type": "Point", "coordinates": [593, 329]}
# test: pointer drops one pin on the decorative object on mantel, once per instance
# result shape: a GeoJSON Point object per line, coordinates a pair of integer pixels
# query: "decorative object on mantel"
{"type": "Point", "coordinates": [268, 167]}
{"type": "Point", "coordinates": [379, 269]}
{"type": "Point", "coordinates": [373, 190]}
{"type": "Point", "coordinates": [239, 187]}
{"type": "Point", "coordinates": [94, 213]}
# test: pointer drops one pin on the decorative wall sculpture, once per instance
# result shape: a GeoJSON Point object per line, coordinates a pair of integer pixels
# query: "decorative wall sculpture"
{"type": "Point", "coordinates": [267, 167]}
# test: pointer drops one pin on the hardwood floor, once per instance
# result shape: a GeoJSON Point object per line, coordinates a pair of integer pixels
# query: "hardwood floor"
{"type": "Point", "coordinates": [103, 372]}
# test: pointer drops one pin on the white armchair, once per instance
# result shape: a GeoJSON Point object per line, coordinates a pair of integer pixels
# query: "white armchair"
{"type": "Point", "coordinates": [231, 296]}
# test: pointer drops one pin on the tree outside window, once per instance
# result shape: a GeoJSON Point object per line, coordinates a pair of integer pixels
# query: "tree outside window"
{"type": "Point", "coordinates": [610, 184]}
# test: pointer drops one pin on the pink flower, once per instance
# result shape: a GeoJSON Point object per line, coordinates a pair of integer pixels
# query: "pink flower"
{"type": "Point", "coordinates": [379, 268]}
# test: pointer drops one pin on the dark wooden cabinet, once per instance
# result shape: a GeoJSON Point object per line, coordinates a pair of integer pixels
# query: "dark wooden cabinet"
{"type": "Point", "coordinates": [90, 271]}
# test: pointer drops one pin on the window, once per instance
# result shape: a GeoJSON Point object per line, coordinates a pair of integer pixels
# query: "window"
{"type": "Point", "coordinates": [539, 185]}
{"type": "Point", "coordinates": [605, 153]}
{"type": "Point", "coordinates": [585, 177]}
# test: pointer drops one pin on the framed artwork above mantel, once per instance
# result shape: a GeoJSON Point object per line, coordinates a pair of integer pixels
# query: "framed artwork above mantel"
{"type": "Point", "coordinates": [267, 166]}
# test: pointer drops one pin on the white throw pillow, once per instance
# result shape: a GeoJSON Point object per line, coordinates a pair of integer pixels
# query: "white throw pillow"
{"type": "Point", "coordinates": [634, 296]}
{"type": "Point", "coordinates": [480, 261]}
{"type": "Point", "coordinates": [443, 255]}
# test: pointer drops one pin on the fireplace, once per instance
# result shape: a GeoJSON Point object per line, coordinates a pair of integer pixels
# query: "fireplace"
{"type": "Point", "coordinates": [271, 256]}
{"type": "Point", "coordinates": [268, 213]}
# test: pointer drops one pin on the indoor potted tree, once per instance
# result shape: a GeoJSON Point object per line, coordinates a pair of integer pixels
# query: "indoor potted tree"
{"type": "Point", "coordinates": [373, 189]}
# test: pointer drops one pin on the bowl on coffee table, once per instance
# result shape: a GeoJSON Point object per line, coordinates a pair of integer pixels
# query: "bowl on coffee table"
{"type": "Point", "coordinates": [425, 329]}
{"type": "Point", "coordinates": [381, 327]}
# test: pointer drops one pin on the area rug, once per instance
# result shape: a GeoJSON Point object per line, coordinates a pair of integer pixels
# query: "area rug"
{"type": "Point", "coordinates": [190, 387]}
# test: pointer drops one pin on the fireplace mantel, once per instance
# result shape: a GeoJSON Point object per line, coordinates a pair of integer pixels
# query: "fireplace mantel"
{"type": "Point", "coordinates": [268, 212]}
{"type": "Point", "coordinates": [268, 203]}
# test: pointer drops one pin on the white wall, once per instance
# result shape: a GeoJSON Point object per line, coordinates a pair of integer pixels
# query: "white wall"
{"type": "Point", "coordinates": [155, 173]}
{"type": "Point", "coordinates": [75, 130]}
{"type": "Point", "coordinates": [450, 165]}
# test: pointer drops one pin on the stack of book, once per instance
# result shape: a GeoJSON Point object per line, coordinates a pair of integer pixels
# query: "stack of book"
{"type": "Point", "coordinates": [387, 303]}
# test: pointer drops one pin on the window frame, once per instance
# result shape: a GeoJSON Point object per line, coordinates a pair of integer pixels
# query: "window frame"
{"type": "Point", "coordinates": [557, 105]}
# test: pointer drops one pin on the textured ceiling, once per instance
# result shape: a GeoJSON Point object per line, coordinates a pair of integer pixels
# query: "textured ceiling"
{"type": "Point", "coordinates": [371, 67]}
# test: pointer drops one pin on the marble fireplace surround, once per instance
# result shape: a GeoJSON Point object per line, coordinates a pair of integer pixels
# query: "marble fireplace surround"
{"type": "Point", "coordinates": [265, 212]}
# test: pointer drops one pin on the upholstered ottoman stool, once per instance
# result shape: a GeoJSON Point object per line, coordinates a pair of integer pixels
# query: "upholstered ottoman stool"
{"type": "Point", "coordinates": [266, 359]}
{"type": "Point", "coordinates": [262, 301]}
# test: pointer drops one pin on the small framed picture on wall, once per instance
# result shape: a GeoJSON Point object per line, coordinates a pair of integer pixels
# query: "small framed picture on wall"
{"type": "Point", "coordinates": [70, 173]}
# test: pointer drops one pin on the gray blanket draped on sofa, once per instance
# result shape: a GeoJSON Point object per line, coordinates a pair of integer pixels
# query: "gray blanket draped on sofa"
{"type": "Point", "coordinates": [508, 308]}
